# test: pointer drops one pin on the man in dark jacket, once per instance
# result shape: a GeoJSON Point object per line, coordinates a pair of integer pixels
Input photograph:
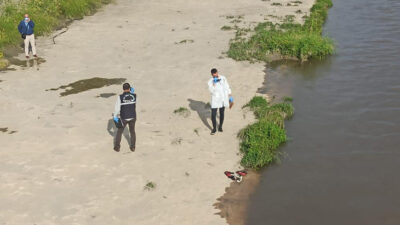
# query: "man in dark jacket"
{"type": "Point", "coordinates": [125, 107]}
{"type": "Point", "coordinates": [25, 27]}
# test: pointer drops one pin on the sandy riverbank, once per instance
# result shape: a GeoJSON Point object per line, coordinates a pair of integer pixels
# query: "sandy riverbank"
{"type": "Point", "coordinates": [59, 166]}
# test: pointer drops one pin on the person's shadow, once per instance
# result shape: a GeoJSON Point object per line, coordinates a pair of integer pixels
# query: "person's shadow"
{"type": "Point", "coordinates": [112, 130]}
{"type": "Point", "coordinates": [202, 109]}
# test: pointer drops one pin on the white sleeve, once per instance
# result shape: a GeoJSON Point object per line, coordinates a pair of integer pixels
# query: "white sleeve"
{"type": "Point", "coordinates": [211, 87]}
{"type": "Point", "coordinates": [117, 107]}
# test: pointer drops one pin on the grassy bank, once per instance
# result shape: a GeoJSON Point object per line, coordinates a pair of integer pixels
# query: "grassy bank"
{"type": "Point", "coordinates": [259, 141]}
{"type": "Point", "coordinates": [47, 15]}
{"type": "Point", "coordinates": [287, 39]}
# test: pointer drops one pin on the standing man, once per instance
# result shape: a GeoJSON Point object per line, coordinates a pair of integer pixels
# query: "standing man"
{"type": "Point", "coordinates": [25, 27]}
{"type": "Point", "coordinates": [125, 107]}
{"type": "Point", "coordinates": [220, 96]}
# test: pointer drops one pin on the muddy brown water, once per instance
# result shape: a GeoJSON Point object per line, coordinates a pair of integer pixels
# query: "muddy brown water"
{"type": "Point", "coordinates": [343, 159]}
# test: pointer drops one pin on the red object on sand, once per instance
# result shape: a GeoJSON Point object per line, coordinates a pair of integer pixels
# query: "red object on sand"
{"type": "Point", "coordinates": [241, 173]}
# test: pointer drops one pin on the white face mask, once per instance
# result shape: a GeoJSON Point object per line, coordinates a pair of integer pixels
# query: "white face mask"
{"type": "Point", "coordinates": [26, 19]}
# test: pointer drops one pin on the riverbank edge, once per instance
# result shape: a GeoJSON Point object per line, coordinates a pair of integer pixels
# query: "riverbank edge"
{"type": "Point", "coordinates": [51, 17]}
{"type": "Point", "coordinates": [287, 40]}
{"type": "Point", "coordinates": [233, 205]}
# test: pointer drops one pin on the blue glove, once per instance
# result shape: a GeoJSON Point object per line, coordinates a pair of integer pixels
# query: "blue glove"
{"type": "Point", "coordinates": [215, 80]}
{"type": "Point", "coordinates": [116, 119]}
{"type": "Point", "coordinates": [230, 99]}
{"type": "Point", "coordinates": [132, 90]}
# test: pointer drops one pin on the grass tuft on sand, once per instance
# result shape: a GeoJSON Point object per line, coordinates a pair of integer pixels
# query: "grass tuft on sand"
{"type": "Point", "coordinates": [288, 39]}
{"type": "Point", "coordinates": [259, 141]}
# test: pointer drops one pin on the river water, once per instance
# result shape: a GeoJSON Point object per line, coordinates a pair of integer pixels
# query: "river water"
{"type": "Point", "coordinates": [342, 162]}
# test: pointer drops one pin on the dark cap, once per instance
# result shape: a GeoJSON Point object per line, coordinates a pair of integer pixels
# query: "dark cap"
{"type": "Point", "coordinates": [213, 70]}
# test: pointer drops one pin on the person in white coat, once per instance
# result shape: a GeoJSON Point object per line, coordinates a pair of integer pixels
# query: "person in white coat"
{"type": "Point", "coordinates": [220, 95]}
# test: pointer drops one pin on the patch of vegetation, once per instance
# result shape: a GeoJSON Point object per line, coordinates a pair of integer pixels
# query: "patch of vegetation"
{"type": "Point", "coordinates": [226, 28]}
{"type": "Point", "coordinates": [236, 21]}
{"type": "Point", "coordinates": [3, 62]}
{"type": "Point", "coordinates": [150, 186]}
{"type": "Point", "coordinates": [297, 2]}
{"type": "Point", "coordinates": [182, 111]}
{"type": "Point", "coordinates": [259, 141]}
{"type": "Point", "coordinates": [196, 131]}
{"type": "Point", "coordinates": [47, 15]}
{"type": "Point", "coordinates": [177, 141]}
{"type": "Point", "coordinates": [299, 11]}
{"type": "Point", "coordinates": [288, 39]}
{"type": "Point", "coordinates": [185, 41]}
{"type": "Point", "coordinates": [288, 19]}
{"type": "Point", "coordinates": [287, 99]}
{"type": "Point", "coordinates": [276, 4]}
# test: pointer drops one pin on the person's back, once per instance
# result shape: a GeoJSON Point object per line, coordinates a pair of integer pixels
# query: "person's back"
{"type": "Point", "coordinates": [128, 106]}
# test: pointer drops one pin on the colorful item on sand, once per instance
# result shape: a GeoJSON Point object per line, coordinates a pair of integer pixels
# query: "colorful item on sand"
{"type": "Point", "coordinates": [236, 177]}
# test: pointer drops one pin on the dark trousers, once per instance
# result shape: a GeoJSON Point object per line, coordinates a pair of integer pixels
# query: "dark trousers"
{"type": "Point", "coordinates": [131, 124]}
{"type": "Point", "coordinates": [214, 117]}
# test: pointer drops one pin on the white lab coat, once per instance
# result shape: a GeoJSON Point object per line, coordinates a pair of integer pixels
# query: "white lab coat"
{"type": "Point", "coordinates": [219, 92]}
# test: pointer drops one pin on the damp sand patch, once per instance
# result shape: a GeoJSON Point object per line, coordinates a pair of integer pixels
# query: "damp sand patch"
{"type": "Point", "coordinates": [233, 204]}
{"type": "Point", "coordinates": [87, 84]}
{"type": "Point", "coordinates": [12, 62]}
{"type": "Point", "coordinates": [105, 95]}
{"type": "Point", "coordinates": [5, 130]}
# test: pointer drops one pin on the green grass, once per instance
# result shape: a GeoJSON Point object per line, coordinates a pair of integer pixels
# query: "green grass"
{"type": "Point", "coordinates": [287, 39]}
{"type": "Point", "coordinates": [47, 15]}
{"type": "Point", "coordinates": [185, 41]}
{"type": "Point", "coordinates": [150, 186]}
{"type": "Point", "coordinates": [183, 111]}
{"type": "Point", "coordinates": [226, 28]}
{"type": "Point", "coordinates": [259, 141]}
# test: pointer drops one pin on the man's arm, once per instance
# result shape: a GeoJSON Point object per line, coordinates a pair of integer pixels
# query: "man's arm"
{"type": "Point", "coordinates": [32, 24]}
{"type": "Point", "coordinates": [211, 86]}
{"type": "Point", "coordinates": [20, 27]}
{"type": "Point", "coordinates": [227, 87]}
{"type": "Point", "coordinates": [117, 107]}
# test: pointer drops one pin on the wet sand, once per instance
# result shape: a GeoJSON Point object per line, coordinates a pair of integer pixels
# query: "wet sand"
{"type": "Point", "coordinates": [59, 168]}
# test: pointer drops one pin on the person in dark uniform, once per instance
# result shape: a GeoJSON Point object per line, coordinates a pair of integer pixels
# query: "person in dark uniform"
{"type": "Point", "coordinates": [125, 107]}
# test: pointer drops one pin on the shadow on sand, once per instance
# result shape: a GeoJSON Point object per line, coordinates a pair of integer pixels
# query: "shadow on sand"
{"type": "Point", "coordinates": [112, 130]}
{"type": "Point", "coordinates": [202, 109]}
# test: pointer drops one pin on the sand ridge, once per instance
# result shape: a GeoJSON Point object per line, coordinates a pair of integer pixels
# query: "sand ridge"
{"type": "Point", "coordinates": [59, 167]}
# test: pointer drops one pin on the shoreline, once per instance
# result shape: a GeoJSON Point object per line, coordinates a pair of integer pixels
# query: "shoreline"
{"type": "Point", "coordinates": [69, 148]}
{"type": "Point", "coordinates": [234, 203]}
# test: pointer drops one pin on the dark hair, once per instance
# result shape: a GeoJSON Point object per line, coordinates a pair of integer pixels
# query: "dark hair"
{"type": "Point", "coordinates": [213, 70]}
{"type": "Point", "coordinates": [126, 86]}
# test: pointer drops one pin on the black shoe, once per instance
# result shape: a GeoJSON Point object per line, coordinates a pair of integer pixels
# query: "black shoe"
{"type": "Point", "coordinates": [132, 149]}
{"type": "Point", "coordinates": [116, 149]}
{"type": "Point", "coordinates": [213, 131]}
{"type": "Point", "coordinates": [220, 129]}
